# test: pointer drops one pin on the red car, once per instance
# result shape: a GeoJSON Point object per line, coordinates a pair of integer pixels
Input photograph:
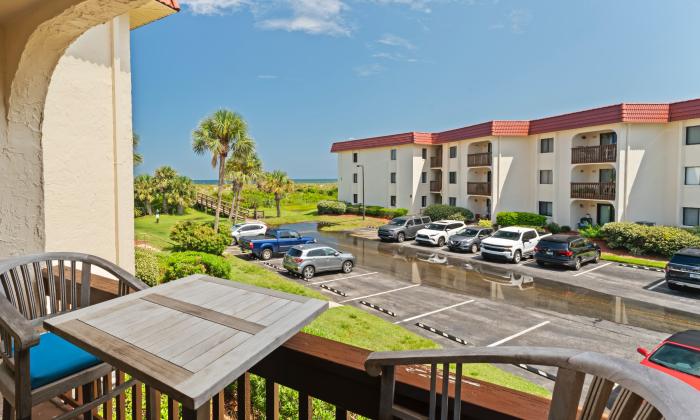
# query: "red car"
{"type": "Point", "coordinates": [678, 356]}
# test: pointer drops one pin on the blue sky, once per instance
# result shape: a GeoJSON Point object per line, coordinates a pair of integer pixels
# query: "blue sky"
{"type": "Point", "coordinates": [307, 72]}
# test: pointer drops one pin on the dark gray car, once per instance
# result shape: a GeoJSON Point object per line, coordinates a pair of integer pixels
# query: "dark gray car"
{"type": "Point", "coordinates": [402, 228]}
{"type": "Point", "coordinates": [307, 260]}
{"type": "Point", "coordinates": [468, 239]}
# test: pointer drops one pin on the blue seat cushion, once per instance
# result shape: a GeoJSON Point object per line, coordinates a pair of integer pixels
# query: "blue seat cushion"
{"type": "Point", "coordinates": [55, 358]}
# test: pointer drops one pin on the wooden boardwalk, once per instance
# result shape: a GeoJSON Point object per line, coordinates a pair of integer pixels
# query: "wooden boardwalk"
{"type": "Point", "coordinates": [207, 204]}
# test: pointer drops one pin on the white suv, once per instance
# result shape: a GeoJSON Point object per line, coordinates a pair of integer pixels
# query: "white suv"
{"type": "Point", "coordinates": [436, 233]}
{"type": "Point", "coordinates": [247, 229]}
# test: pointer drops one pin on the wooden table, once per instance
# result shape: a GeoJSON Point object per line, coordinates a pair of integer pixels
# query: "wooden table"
{"type": "Point", "coordinates": [189, 338]}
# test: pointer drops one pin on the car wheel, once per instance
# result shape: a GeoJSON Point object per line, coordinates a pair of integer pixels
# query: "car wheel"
{"type": "Point", "coordinates": [577, 264]}
{"type": "Point", "coordinates": [266, 254]}
{"type": "Point", "coordinates": [596, 260]}
{"type": "Point", "coordinates": [441, 241]}
{"type": "Point", "coordinates": [517, 257]}
{"type": "Point", "coordinates": [474, 248]}
{"type": "Point", "coordinates": [308, 272]}
{"type": "Point", "coordinates": [400, 237]}
{"type": "Point", "coordinates": [540, 263]}
{"type": "Point", "coordinates": [347, 266]}
{"type": "Point", "coordinates": [673, 286]}
{"type": "Point", "coordinates": [234, 241]}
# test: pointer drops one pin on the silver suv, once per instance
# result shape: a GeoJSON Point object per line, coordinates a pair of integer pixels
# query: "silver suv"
{"type": "Point", "coordinates": [307, 260]}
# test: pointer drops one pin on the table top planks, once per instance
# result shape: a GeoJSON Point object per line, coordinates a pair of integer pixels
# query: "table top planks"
{"type": "Point", "coordinates": [191, 337]}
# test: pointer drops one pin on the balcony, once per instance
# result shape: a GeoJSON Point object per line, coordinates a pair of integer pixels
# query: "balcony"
{"type": "Point", "coordinates": [435, 186]}
{"type": "Point", "coordinates": [594, 154]}
{"type": "Point", "coordinates": [479, 159]}
{"type": "Point", "coordinates": [436, 162]}
{"type": "Point", "coordinates": [479, 188]}
{"type": "Point", "coordinates": [593, 190]}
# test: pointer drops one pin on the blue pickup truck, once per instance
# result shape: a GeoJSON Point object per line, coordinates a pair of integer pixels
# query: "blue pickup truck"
{"type": "Point", "coordinates": [274, 241]}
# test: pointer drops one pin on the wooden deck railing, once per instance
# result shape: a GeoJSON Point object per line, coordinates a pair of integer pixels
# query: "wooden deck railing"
{"type": "Point", "coordinates": [594, 154]}
{"type": "Point", "coordinates": [593, 190]}
{"type": "Point", "coordinates": [479, 188]}
{"type": "Point", "coordinates": [436, 161]}
{"type": "Point", "coordinates": [479, 159]}
{"type": "Point", "coordinates": [207, 203]}
{"type": "Point", "coordinates": [435, 186]}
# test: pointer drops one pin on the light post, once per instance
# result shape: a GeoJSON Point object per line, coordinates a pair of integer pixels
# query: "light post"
{"type": "Point", "coordinates": [363, 190]}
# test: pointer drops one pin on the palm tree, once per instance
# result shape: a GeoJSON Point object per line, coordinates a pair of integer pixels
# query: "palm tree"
{"type": "Point", "coordinates": [218, 135]}
{"type": "Point", "coordinates": [278, 184]}
{"type": "Point", "coordinates": [242, 168]}
{"type": "Point", "coordinates": [182, 193]}
{"type": "Point", "coordinates": [163, 180]}
{"type": "Point", "coordinates": [138, 158]}
{"type": "Point", "coordinates": [144, 191]}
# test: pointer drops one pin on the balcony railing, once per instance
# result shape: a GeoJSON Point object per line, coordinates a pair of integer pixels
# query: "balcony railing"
{"type": "Point", "coordinates": [436, 161]}
{"type": "Point", "coordinates": [435, 186]}
{"type": "Point", "coordinates": [594, 154]}
{"type": "Point", "coordinates": [479, 188]}
{"type": "Point", "coordinates": [593, 190]}
{"type": "Point", "coordinates": [479, 159]}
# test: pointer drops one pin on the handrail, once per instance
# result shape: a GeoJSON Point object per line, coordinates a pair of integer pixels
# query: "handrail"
{"type": "Point", "coordinates": [209, 203]}
{"type": "Point", "coordinates": [479, 159]}
{"type": "Point", "coordinates": [671, 397]}
{"type": "Point", "coordinates": [594, 154]}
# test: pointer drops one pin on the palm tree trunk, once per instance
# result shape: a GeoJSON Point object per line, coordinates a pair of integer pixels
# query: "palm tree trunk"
{"type": "Point", "coordinates": [164, 206]}
{"type": "Point", "coordinates": [234, 193]}
{"type": "Point", "coordinates": [222, 160]}
{"type": "Point", "coordinates": [238, 201]}
{"type": "Point", "coordinates": [180, 209]}
{"type": "Point", "coordinates": [277, 203]}
{"type": "Point", "coordinates": [149, 211]}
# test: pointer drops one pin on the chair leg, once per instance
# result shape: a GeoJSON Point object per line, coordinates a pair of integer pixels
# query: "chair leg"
{"type": "Point", "coordinates": [6, 410]}
{"type": "Point", "coordinates": [88, 395]}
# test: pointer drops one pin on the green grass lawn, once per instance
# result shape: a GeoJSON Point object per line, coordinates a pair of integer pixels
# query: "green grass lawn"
{"type": "Point", "coordinates": [157, 234]}
{"type": "Point", "coordinates": [633, 260]}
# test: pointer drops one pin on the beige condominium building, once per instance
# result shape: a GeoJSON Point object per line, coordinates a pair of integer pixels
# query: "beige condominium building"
{"type": "Point", "coordinates": [624, 162]}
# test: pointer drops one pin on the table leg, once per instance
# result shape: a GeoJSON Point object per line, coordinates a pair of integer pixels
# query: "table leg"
{"type": "Point", "coordinates": [201, 413]}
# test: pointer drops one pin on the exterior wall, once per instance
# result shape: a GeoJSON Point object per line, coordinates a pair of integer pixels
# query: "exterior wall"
{"type": "Point", "coordinates": [688, 195]}
{"type": "Point", "coordinates": [88, 184]}
{"type": "Point", "coordinates": [513, 188]}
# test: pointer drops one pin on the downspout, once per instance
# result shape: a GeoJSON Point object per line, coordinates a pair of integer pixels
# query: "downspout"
{"type": "Point", "coordinates": [115, 165]}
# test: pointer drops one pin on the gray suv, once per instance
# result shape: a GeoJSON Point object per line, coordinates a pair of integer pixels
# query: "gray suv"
{"type": "Point", "coordinates": [307, 260]}
{"type": "Point", "coordinates": [402, 228]}
{"type": "Point", "coordinates": [468, 239]}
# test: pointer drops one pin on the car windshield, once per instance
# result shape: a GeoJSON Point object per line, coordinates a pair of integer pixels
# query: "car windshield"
{"type": "Point", "coordinates": [678, 358]}
{"type": "Point", "coordinates": [506, 234]}
{"type": "Point", "coordinates": [293, 252]}
{"type": "Point", "coordinates": [686, 260]}
{"type": "Point", "coordinates": [469, 232]}
{"type": "Point", "coordinates": [399, 221]}
{"type": "Point", "coordinates": [236, 227]}
{"type": "Point", "coordinates": [435, 226]}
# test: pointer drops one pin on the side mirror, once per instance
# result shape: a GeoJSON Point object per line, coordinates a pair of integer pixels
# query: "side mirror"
{"type": "Point", "coordinates": [644, 352]}
{"type": "Point", "coordinates": [336, 253]}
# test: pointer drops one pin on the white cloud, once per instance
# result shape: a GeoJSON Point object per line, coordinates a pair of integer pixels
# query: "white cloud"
{"type": "Point", "coordinates": [395, 41]}
{"type": "Point", "coordinates": [368, 69]}
{"type": "Point", "coordinates": [213, 7]}
{"type": "Point", "coordinates": [394, 57]}
{"type": "Point", "coordinates": [267, 76]}
{"type": "Point", "coordinates": [519, 19]}
{"type": "Point", "coordinates": [313, 17]}
{"type": "Point", "coordinates": [419, 5]}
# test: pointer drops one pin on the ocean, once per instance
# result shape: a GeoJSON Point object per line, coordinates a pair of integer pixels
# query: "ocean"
{"type": "Point", "coordinates": [296, 181]}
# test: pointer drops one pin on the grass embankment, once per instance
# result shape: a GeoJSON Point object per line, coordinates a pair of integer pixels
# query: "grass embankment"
{"type": "Point", "coordinates": [633, 260]}
{"type": "Point", "coordinates": [157, 234]}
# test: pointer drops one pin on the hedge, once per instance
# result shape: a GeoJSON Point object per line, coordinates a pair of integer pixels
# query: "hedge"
{"type": "Point", "coordinates": [377, 211]}
{"type": "Point", "coordinates": [331, 207]}
{"type": "Point", "coordinates": [519, 218]}
{"type": "Point", "coordinates": [147, 266]}
{"type": "Point", "coordinates": [443, 211]}
{"type": "Point", "coordinates": [182, 264]}
{"type": "Point", "coordinates": [654, 240]}
{"type": "Point", "coordinates": [201, 237]}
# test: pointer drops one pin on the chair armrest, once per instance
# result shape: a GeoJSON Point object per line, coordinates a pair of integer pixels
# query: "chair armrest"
{"type": "Point", "coordinates": [17, 326]}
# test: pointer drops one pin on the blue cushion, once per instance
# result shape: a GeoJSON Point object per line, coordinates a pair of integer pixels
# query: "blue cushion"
{"type": "Point", "coordinates": [55, 358]}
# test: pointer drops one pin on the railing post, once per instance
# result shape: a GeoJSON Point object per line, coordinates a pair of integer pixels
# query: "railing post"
{"type": "Point", "coordinates": [243, 396]}
{"type": "Point", "coordinates": [121, 400]}
{"type": "Point", "coordinates": [217, 411]}
{"type": "Point", "coordinates": [272, 400]}
{"type": "Point", "coordinates": [386, 396]}
{"type": "Point", "coordinates": [305, 407]}
{"type": "Point", "coordinates": [567, 392]}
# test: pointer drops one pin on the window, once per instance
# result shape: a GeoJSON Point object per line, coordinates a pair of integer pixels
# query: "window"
{"type": "Point", "coordinates": [692, 135]}
{"type": "Point", "coordinates": [424, 153]}
{"type": "Point", "coordinates": [545, 208]}
{"type": "Point", "coordinates": [354, 198]}
{"type": "Point", "coordinates": [393, 201]}
{"type": "Point", "coordinates": [330, 252]}
{"type": "Point", "coordinates": [453, 201]}
{"type": "Point", "coordinates": [285, 234]}
{"type": "Point", "coordinates": [453, 177]}
{"type": "Point", "coordinates": [529, 235]}
{"type": "Point", "coordinates": [354, 157]}
{"type": "Point", "coordinates": [392, 177]}
{"type": "Point", "coordinates": [425, 219]}
{"type": "Point", "coordinates": [608, 138]}
{"type": "Point", "coordinates": [691, 216]}
{"type": "Point", "coordinates": [392, 154]}
{"type": "Point", "coordinates": [453, 226]}
{"type": "Point", "coordinates": [316, 253]}
{"type": "Point", "coordinates": [354, 178]}
{"type": "Point", "coordinates": [453, 152]}
{"type": "Point", "coordinates": [692, 175]}
{"type": "Point", "coordinates": [423, 177]}
{"type": "Point", "coordinates": [546, 176]}
{"type": "Point", "coordinates": [423, 201]}
{"type": "Point", "coordinates": [547, 145]}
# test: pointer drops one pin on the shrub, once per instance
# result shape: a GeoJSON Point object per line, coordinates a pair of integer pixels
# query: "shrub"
{"type": "Point", "coordinates": [519, 218]}
{"type": "Point", "coordinates": [443, 211]}
{"type": "Point", "coordinates": [400, 212]}
{"type": "Point", "coordinates": [553, 228]}
{"type": "Point", "coordinates": [485, 223]}
{"type": "Point", "coordinates": [331, 207]}
{"type": "Point", "coordinates": [591, 232]}
{"type": "Point", "coordinates": [639, 239]}
{"type": "Point", "coordinates": [457, 216]}
{"type": "Point", "coordinates": [147, 266]}
{"type": "Point", "coordinates": [376, 211]}
{"type": "Point", "coordinates": [566, 228]}
{"type": "Point", "coordinates": [191, 236]}
{"type": "Point", "coordinates": [182, 264]}
{"type": "Point", "coordinates": [138, 212]}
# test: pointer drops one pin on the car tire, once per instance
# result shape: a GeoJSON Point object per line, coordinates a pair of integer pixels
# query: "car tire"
{"type": "Point", "coordinates": [347, 267]}
{"type": "Point", "coordinates": [474, 248]}
{"type": "Point", "coordinates": [441, 241]}
{"type": "Point", "coordinates": [674, 286]}
{"type": "Point", "coordinates": [517, 257]}
{"type": "Point", "coordinates": [266, 254]}
{"type": "Point", "coordinates": [540, 263]}
{"type": "Point", "coordinates": [596, 259]}
{"type": "Point", "coordinates": [308, 272]}
{"type": "Point", "coordinates": [577, 264]}
{"type": "Point", "coordinates": [400, 237]}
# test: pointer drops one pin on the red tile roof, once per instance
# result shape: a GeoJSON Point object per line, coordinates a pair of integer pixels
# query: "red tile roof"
{"type": "Point", "coordinates": [630, 113]}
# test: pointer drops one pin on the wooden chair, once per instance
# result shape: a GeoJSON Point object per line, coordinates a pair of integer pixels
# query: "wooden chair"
{"type": "Point", "coordinates": [37, 366]}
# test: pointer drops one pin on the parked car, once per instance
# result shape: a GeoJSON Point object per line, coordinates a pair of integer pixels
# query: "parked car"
{"type": "Point", "coordinates": [247, 229]}
{"type": "Point", "coordinates": [307, 260]}
{"type": "Point", "coordinates": [678, 356]}
{"type": "Point", "coordinates": [683, 270]}
{"type": "Point", "coordinates": [274, 241]}
{"type": "Point", "coordinates": [511, 243]}
{"type": "Point", "coordinates": [566, 250]}
{"type": "Point", "coordinates": [402, 228]}
{"type": "Point", "coordinates": [468, 239]}
{"type": "Point", "coordinates": [436, 233]}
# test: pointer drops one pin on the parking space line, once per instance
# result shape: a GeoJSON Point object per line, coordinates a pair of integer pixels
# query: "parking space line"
{"type": "Point", "coordinates": [525, 331]}
{"type": "Point", "coordinates": [343, 278]}
{"type": "Point", "coordinates": [435, 311]}
{"type": "Point", "coordinates": [380, 293]}
{"type": "Point", "coordinates": [657, 284]}
{"type": "Point", "coordinates": [592, 269]}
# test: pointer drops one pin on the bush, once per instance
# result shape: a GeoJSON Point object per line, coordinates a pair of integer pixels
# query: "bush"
{"type": "Point", "coordinates": [519, 218]}
{"type": "Point", "coordinates": [147, 266]}
{"type": "Point", "coordinates": [331, 207]}
{"type": "Point", "coordinates": [443, 211]}
{"type": "Point", "coordinates": [553, 228]}
{"type": "Point", "coordinates": [655, 240]}
{"type": "Point", "coordinates": [591, 232]}
{"type": "Point", "coordinates": [457, 216]}
{"type": "Point", "coordinates": [183, 264]}
{"type": "Point", "coordinates": [566, 228]}
{"type": "Point", "coordinates": [191, 236]}
{"type": "Point", "coordinates": [485, 223]}
{"type": "Point", "coordinates": [138, 212]}
{"type": "Point", "coordinates": [376, 211]}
